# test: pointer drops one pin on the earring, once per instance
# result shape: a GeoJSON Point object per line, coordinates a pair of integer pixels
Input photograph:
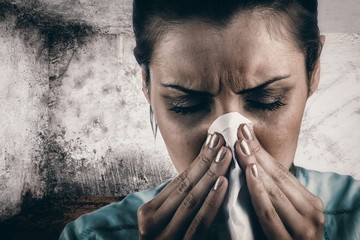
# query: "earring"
{"type": "Point", "coordinates": [153, 122]}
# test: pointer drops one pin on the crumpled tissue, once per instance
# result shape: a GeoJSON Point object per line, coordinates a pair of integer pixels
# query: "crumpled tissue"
{"type": "Point", "coordinates": [237, 207]}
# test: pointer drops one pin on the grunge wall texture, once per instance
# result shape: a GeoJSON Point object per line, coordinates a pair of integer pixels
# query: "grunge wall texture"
{"type": "Point", "coordinates": [74, 122]}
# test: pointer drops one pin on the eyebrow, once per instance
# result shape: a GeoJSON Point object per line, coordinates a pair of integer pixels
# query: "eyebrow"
{"type": "Point", "coordinates": [186, 90]}
{"type": "Point", "coordinates": [263, 85]}
{"type": "Point", "coordinates": [244, 91]}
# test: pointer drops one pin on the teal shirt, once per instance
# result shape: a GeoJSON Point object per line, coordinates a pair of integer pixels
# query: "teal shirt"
{"type": "Point", "coordinates": [340, 195]}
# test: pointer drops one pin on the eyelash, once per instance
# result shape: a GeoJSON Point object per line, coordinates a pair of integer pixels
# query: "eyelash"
{"type": "Point", "coordinates": [205, 106]}
{"type": "Point", "coordinates": [266, 106]}
{"type": "Point", "coordinates": [190, 110]}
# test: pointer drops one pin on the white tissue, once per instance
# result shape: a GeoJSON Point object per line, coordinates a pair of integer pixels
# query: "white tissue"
{"type": "Point", "coordinates": [237, 206]}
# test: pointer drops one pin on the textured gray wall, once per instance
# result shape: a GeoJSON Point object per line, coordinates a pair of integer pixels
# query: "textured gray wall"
{"type": "Point", "coordinates": [74, 122]}
{"type": "Point", "coordinates": [73, 119]}
{"type": "Point", "coordinates": [330, 129]}
{"type": "Point", "coordinates": [23, 112]}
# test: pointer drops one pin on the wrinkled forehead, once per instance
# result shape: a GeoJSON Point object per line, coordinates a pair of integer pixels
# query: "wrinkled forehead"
{"type": "Point", "coordinates": [245, 29]}
{"type": "Point", "coordinates": [243, 49]}
{"type": "Point", "coordinates": [247, 36]}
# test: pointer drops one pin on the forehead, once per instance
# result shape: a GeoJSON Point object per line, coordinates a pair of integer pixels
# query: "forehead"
{"type": "Point", "coordinates": [246, 46]}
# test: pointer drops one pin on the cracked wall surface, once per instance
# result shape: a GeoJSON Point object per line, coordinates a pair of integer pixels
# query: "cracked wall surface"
{"type": "Point", "coordinates": [74, 122]}
{"type": "Point", "coordinates": [98, 120]}
{"type": "Point", "coordinates": [23, 112]}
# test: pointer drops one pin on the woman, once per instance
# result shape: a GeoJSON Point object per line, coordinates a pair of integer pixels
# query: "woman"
{"type": "Point", "coordinates": [199, 61]}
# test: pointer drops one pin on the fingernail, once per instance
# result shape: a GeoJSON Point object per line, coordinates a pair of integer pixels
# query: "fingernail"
{"type": "Point", "coordinates": [254, 171]}
{"type": "Point", "coordinates": [246, 132]}
{"type": "Point", "coordinates": [214, 140]}
{"type": "Point", "coordinates": [218, 183]}
{"type": "Point", "coordinates": [220, 155]}
{"type": "Point", "coordinates": [208, 139]}
{"type": "Point", "coordinates": [245, 148]}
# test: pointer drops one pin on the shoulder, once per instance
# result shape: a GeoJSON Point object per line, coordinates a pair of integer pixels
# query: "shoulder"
{"type": "Point", "coordinates": [116, 220]}
{"type": "Point", "coordinates": [340, 195]}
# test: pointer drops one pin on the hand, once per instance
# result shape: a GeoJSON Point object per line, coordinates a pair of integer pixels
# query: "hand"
{"type": "Point", "coordinates": [285, 208]}
{"type": "Point", "coordinates": [188, 205]}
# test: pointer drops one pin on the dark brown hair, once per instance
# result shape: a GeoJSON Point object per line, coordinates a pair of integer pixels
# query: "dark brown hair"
{"type": "Point", "coordinates": [151, 19]}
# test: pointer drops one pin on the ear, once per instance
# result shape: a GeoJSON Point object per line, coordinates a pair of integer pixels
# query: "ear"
{"type": "Point", "coordinates": [145, 86]}
{"type": "Point", "coordinates": [315, 76]}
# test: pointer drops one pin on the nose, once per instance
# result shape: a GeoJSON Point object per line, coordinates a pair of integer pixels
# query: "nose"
{"type": "Point", "coordinates": [229, 103]}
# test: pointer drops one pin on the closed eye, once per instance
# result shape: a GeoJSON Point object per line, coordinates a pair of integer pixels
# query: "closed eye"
{"type": "Point", "coordinates": [265, 106]}
{"type": "Point", "coordinates": [187, 107]}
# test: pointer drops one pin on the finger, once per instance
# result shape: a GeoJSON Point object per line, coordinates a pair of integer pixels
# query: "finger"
{"type": "Point", "coordinates": [267, 215]}
{"type": "Point", "coordinates": [289, 215]}
{"type": "Point", "coordinates": [273, 178]}
{"type": "Point", "coordinates": [183, 184]}
{"type": "Point", "coordinates": [148, 221]}
{"type": "Point", "coordinates": [194, 200]}
{"type": "Point", "coordinates": [299, 226]}
{"type": "Point", "coordinates": [278, 173]}
{"type": "Point", "coordinates": [208, 211]}
{"type": "Point", "coordinates": [293, 206]}
{"type": "Point", "coordinates": [197, 169]}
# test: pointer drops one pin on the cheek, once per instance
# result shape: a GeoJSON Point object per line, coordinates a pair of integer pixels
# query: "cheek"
{"type": "Point", "coordinates": [182, 141]}
{"type": "Point", "coordinates": [279, 135]}
{"type": "Point", "coordinates": [280, 140]}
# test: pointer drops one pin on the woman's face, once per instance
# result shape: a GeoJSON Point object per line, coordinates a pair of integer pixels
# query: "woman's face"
{"type": "Point", "coordinates": [199, 72]}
